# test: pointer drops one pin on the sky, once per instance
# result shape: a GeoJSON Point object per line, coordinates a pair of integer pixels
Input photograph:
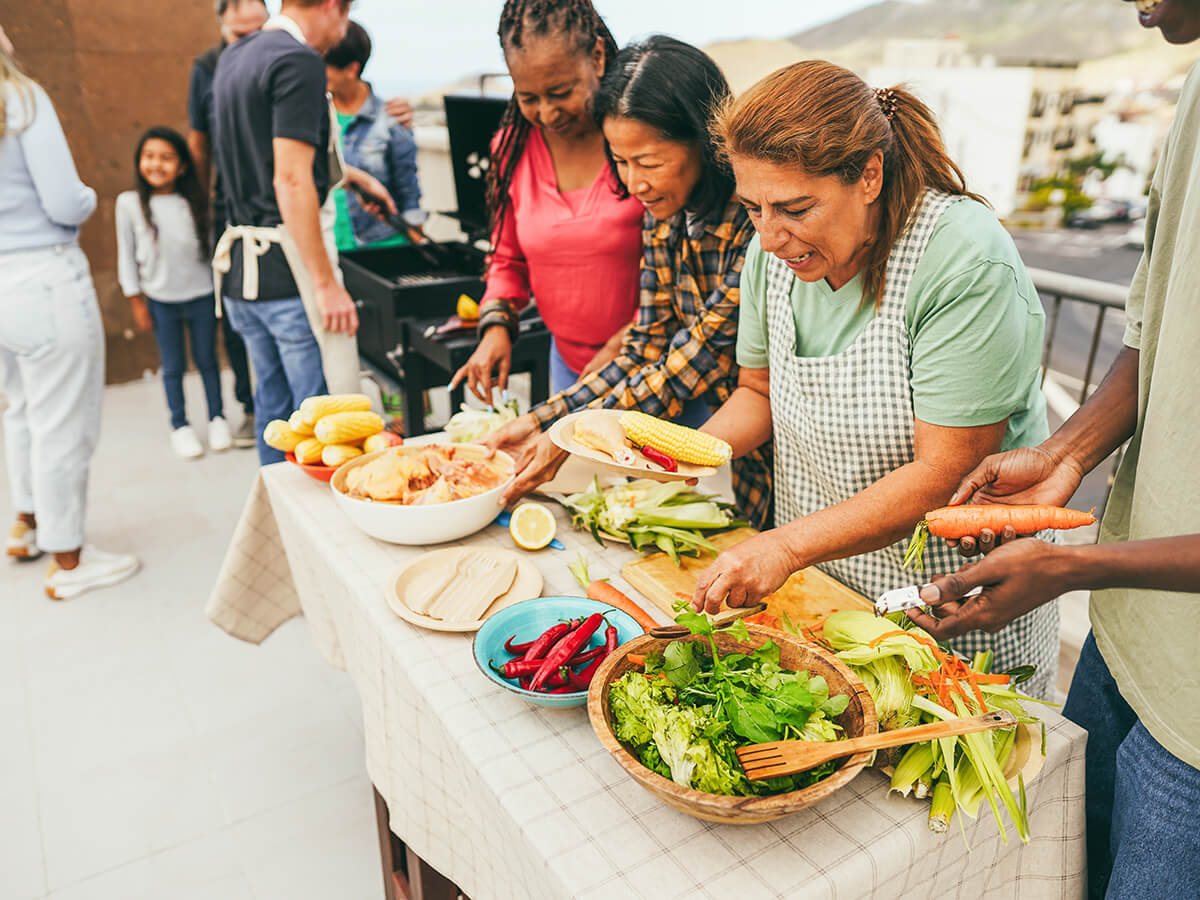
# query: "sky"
{"type": "Point", "coordinates": [425, 44]}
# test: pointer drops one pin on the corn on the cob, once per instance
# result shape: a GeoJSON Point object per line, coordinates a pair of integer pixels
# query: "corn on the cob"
{"type": "Point", "coordinates": [336, 454]}
{"type": "Point", "coordinates": [281, 436]}
{"type": "Point", "coordinates": [316, 408]}
{"type": "Point", "coordinates": [687, 445]}
{"type": "Point", "coordinates": [300, 426]}
{"type": "Point", "coordinates": [380, 441]}
{"type": "Point", "coordinates": [346, 427]}
{"type": "Point", "coordinates": [308, 451]}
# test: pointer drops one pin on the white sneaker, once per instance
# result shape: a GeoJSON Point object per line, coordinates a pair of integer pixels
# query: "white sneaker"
{"type": "Point", "coordinates": [22, 542]}
{"type": "Point", "coordinates": [96, 569]}
{"type": "Point", "coordinates": [219, 437]}
{"type": "Point", "coordinates": [185, 443]}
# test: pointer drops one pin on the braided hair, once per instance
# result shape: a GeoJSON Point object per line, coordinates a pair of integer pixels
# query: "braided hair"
{"type": "Point", "coordinates": [576, 20]}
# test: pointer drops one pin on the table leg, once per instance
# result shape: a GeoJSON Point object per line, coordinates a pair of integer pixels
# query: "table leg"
{"type": "Point", "coordinates": [391, 850]}
{"type": "Point", "coordinates": [405, 875]}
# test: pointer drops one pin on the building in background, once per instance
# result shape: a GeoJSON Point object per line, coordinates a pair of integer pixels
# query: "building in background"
{"type": "Point", "coordinates": [1009, 125]}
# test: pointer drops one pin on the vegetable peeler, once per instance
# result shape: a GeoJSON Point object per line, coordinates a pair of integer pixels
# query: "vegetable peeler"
{"type": "Point", "coordinates": [904, 598]}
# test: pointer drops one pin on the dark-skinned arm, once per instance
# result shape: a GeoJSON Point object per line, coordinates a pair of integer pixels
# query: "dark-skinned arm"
{"type": "Point", "coordinates": [1024, 574]}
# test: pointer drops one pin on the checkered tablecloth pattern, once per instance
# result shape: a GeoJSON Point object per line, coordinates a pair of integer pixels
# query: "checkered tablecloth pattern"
{"type": "Point", "coordinates": [509, 800]}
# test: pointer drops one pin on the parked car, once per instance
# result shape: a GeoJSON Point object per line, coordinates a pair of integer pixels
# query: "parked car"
{"type": "Point", "coordinates": [1136, 235]}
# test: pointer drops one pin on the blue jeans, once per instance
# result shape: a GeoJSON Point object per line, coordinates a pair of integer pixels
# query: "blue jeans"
{"type": "Point", "coordinates": [285, 356]}
{"type": "Point", "coordinates": [1143, 804]}
{"type": "Point", "coordinates": [199, 319]}
{"type": "Point", "coordinates": [562, 376]}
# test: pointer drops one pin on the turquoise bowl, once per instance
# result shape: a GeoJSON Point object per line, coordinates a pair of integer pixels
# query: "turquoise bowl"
{"type": "Point", "coordinates": [529, 619]}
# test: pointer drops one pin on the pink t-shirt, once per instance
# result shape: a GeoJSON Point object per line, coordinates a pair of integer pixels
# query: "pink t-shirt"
{"type": "Point", "coordinates": [579, 257]}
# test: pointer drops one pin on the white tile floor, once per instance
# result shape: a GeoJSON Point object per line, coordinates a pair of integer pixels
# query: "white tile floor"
{"type": "Point", "coordinates": [143, 752]}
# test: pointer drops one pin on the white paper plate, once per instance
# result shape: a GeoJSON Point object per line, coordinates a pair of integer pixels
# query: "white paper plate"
{"type": "Point", "coordinates": [562, 432]}
{"type": "Point", "coordinates": [526, 586]}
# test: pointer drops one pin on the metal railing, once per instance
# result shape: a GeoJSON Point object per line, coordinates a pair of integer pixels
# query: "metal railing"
{"type": "Point", "coordinates": [1102, 296]}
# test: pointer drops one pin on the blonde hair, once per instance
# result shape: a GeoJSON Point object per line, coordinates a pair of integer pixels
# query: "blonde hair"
{"type": "Point", "coordinates": [10, 73]}
{"type": "Point", "coordinates": [829, 122]}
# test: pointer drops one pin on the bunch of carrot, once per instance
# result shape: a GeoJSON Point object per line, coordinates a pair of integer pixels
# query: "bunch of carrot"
{"type": "Point", "coordinates": [956, 522]}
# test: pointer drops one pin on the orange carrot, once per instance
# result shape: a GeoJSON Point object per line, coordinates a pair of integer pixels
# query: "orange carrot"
{"type": "Point", "coordinates": [638, 659]}
{"type": "Point", "coordinates": [602, 592]}
{"type": "Point", "coordinates": [955, 522]}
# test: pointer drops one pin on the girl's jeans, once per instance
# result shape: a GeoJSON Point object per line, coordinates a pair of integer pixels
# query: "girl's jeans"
{"type": "Point", "coordinates": [199, 318]}
{"type": "Point", "coordinates": [52, 372]}
{"type": "Point", "coordinates": [1143, 804]}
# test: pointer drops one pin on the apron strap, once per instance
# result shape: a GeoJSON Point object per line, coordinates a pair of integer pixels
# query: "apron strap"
{"type": "Point", "coordinates": [256, 241]}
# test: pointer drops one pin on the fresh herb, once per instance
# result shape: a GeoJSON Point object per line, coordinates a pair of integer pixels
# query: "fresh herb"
{"type": "Point", "coordinates": [692, 706]}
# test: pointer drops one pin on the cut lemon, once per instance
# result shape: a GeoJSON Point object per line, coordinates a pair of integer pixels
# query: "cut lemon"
{"type": "Point", "coordinates": [532, 526]}
{"type": "Point", "coordinates": [468, 309]}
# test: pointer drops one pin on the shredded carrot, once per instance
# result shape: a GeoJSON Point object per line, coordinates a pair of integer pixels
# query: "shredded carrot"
{"type": "Point", "coordinates": [875, 642]}
{"type": "Point", "coordinates": [982, 678]}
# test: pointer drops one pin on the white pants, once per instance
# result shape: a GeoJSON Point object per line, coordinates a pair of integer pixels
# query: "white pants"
{"type": "Point", "coordinates": [52, 372]}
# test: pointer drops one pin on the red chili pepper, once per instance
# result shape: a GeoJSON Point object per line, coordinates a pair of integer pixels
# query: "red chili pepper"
{"type": "Point", "coordinates": [516, 668]}
{"type": "Point", "coordinates": [524, 682]}
{"type": "Point", "coordinates": [584, 658]}
{"type": "Point", "coordinates": [538, 649]}
{"type": "Point", "coordinates": [517, 649]}
{"type": "Point", "coordinates": [567, 647]}
{"type": "Point", "coordinates": [580, 680]}
{"type": "Point", "coordinates": [558, 678]}
{"type": "Point", "coordinates": [563, 689]}
{"type": "Point", "coordinates": [657, 456]}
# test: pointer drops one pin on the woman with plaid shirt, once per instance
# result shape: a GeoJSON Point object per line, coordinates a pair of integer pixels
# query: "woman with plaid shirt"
{"type": "Point", "coordinates": [677, 360]}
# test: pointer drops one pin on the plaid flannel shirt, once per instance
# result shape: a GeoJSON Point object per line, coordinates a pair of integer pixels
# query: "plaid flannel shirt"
{"type": "Point", "coordinates": [683, 342]}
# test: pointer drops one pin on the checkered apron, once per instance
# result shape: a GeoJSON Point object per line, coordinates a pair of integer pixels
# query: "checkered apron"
{"type": "Point", "coordinates": [843, 422]}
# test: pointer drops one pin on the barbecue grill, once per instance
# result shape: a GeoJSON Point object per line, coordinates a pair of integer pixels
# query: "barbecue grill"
{"type": "Point", "coordinates": [404, 293]}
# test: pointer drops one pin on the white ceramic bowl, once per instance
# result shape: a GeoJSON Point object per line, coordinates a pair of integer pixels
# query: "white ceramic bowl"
{"type": "Point", "coordinates": [419, 525]}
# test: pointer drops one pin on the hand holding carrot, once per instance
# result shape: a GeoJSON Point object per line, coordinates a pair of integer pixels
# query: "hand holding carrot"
{"type": "Point", "coordinates": [1026, 475]}
{"type": "Point", "coordinates": [1015, 578]}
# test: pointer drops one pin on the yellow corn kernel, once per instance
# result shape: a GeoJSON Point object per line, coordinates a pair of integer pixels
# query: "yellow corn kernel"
{"type": "Point", "coordinates": [308, 451]}
{"type": "Point", "coordinates": [316, 408]}
{"type": "Point", "coordinates": [299, 426]}
{"type": "Point", "coordinates": [346, 427]}
{"type": "Point", "coordinates": [686, 445]}
{"type": "Point", "coordinates": [336, 454]}
{"type": "Point", "coordinates": [281, 436]}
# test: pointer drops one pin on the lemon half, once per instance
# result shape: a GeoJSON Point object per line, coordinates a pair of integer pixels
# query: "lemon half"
{"type": "Point", "coordinates": [532, 526]}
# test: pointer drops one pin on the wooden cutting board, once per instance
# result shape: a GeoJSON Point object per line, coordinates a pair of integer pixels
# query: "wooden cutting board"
{"type": "Point", "coordinates": [807, 596]}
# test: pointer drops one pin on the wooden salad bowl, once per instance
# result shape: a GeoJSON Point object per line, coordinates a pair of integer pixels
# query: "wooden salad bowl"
{"type": "Point", "coordinates": [795, 654]}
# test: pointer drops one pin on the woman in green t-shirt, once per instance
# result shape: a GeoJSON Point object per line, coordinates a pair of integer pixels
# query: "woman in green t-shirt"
{"type": "Point", "coordinates": [891, 318]}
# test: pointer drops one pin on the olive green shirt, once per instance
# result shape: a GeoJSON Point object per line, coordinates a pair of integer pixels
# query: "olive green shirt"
{"type": "Point", "coordinates": [975, 325]}
{"type": "Point", "coordinates": [1149, 638]}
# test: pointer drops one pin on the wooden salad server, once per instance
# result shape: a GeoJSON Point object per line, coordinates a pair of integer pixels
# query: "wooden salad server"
{"type": "Point", "coordinates": [779, 758]}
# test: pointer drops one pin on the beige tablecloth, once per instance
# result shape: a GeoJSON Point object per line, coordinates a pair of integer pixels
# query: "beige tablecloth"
{"type": "Point", "coordinates": [514, 801]}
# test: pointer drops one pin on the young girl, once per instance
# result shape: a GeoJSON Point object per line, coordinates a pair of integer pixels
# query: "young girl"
{"type": "Point", "coordinates": [164, 269]}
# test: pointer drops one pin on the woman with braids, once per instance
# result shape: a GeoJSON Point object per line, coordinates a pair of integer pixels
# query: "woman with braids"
{"type": "Point", "coordinates": [891, 318]}
{"type": "Point", "coordinates": [677, 361]}
{"type": "Point", "coordinates": [560, 230]}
